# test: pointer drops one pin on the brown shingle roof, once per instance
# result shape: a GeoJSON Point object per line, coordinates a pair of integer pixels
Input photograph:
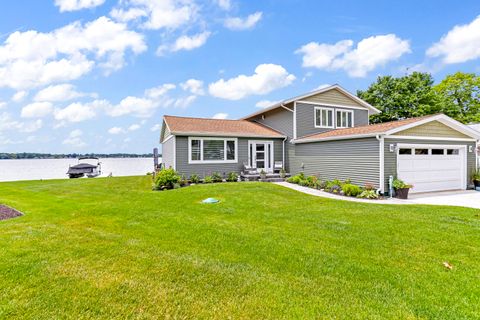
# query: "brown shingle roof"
{"type": "Point", "coordinates": [363, 130]}
{"type": "Point", "coordinates": [218, 127]}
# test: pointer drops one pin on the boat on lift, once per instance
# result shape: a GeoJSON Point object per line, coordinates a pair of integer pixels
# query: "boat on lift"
{"type": "Point", "coordinates": [90, 167]}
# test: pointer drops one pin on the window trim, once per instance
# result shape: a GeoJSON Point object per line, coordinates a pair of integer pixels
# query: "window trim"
{"type": "Point", "coordinates": [332, 110]}
{"type": "Point", "coordinates": [201, 161]}
{"type": "Point", "coordinates": [342, 111]}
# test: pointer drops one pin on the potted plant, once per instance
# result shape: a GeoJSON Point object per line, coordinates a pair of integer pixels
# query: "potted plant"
{"type": "Point", "coordinates": [476, 179]}
{"type": "Point", "coordinates": [263, 174]}
{"type": "Point", "coordinates": [283, 174]}
{"type": "Point", "coordinates": [401, 188]}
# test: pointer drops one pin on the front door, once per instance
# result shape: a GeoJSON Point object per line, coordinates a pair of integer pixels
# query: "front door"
{"type": "Point", "coordinates": [260, 155]}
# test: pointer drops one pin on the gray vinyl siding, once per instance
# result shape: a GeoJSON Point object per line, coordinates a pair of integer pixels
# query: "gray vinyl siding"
{"type": "Point", "coordinates": [204, 169]}
{"type": "Point", "coordinates": [305, 117]}
{"type": "Point", "coordinates": [168, 152]}
{"type": "Point", "coordinates": [355, 159]}
{"type": "Point", "coordinates": [278, 119]}
{"type": "Point", "coordinates": [390, 163]}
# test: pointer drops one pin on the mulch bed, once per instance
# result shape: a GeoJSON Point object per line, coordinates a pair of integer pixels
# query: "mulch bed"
{"type": "Point", "coordinates": [8, 213]}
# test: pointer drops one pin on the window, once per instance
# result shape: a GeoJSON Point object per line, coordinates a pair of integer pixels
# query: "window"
{"type": "Point", "coordinates": [421, 151]}
{"type": "Point", "coordinates": [212, 150]}
{"type": "Point", "coordinates": [323, 118]}
{"type": "Point", "coordinates": [404, 151]}
{"type": "Point", "coordinates": [452, 151]}
{"type": "Point", "coordinates": [344, 119]}
{"type": "Point", "coordinates": [438, 151]}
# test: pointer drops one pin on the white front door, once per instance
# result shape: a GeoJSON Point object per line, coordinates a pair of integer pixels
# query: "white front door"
{"type": "Point", "coordinates": [260, 155]}
{"type": "Point", "coordinates": [432, 168]}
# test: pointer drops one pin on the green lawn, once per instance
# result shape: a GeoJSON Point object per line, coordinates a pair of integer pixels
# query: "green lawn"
{"type": "Point", "coordinates": [111, 248]}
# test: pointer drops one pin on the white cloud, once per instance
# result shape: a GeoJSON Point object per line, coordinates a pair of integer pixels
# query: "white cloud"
{"type": "Point", "coordinates": [220, 115]}
{"type": "Point", "coordinates": [134, 127]}
{"type": "Point", "coordinates": [160, 91]}
{"type": "Point", "coordinates": [369, 54]}
{"type": "Point", "coordinates": [37, 110]}
{"type": "Point", "coordinates": [156, 127]}
{"type": "Point", "coordinates": [194, 86]}
{"type": "Point", "coordinates": [460, 44]}
{"type": "Point", "coordinates": [77, 112]}
{"type": "Point", "coordinates": [185, 43]}
{"type": "Point", "coordinates": [267, 77]}
{"type": "Point", "coordinates": [73, 5]}
{"type": "Point", "coordinates": [31, 58]}
{"type": "Point", "coordinates": [74, 139]}
{"type": "Point", "coordinates": [224, 4]}
{"type": "Point", "coordinates": [236, 23]}
{"type": "Point", "coordinates": [8, 123]}
{"type": "Point", "coordinates": [3, 104]}
{"type": "Point", "coordinates": [60, 92]}
{"type": "Point", "coordinates": [265, 104]}
{"type": "Point", "coordinates": [19, 96]}
{"type": "Point", "coordinates": [116, 130]}
{"type": "Point", "coordinates": [322, 86]}
{"type": "Point", "coordinates": [184, 102]}
{"type": "Point", "coordinates": [140, 107]}
{"type": "Point", "coordinates": [156, 14]}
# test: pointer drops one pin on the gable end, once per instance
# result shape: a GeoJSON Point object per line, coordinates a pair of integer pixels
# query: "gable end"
{"type": "Point", "coordinates": [433, 129]}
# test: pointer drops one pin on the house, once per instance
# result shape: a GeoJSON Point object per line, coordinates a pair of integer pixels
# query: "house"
{"type": "Point", "coordinates": [327, 133]}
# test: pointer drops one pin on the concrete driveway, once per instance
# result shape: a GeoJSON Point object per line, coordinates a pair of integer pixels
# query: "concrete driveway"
{"type": "Point", "coordinates": [463, 198]}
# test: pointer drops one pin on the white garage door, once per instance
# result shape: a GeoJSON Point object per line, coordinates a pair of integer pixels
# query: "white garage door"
{"type": "Point", "coordinates": [432, 168]}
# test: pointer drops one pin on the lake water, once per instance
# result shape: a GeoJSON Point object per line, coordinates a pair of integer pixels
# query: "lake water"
{"type": "Point", "coordinates": [36, 169]}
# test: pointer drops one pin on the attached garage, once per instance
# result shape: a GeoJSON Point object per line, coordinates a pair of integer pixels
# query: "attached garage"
{"type": "Point", "coordinates": [432, 167]}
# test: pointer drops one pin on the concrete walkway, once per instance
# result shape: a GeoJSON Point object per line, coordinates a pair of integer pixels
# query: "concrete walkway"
{"type": "Point", "coordinates": [463, 198]}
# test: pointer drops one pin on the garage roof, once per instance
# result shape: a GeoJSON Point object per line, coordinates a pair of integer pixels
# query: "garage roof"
{"type": "Point", "coordinates": [387, 128]}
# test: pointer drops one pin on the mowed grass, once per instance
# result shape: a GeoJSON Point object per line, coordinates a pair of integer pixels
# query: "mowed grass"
{"type": "Point", "coordinates": [111, 248]}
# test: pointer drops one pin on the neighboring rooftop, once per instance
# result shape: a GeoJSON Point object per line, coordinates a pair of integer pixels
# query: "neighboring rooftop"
{"type": "Point", "coordinates": [218, 127]}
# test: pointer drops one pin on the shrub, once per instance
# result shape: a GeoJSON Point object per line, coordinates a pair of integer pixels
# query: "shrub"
{"type": "Point", "coordinates": [399, 184]}
{"type": "Point", "coordinates": [208, 179]}
{"type": "Point", "coordinates": [232, 177]}
{"type": "Point", "coordinates": [351, 190]}
{"type": "Point", "coordinates": [476, 175]}
{"type": "Point", "coordinates": [334, 186]}
{"type": "Point", "coordinates": [296, 178]}
{"type": "Point", "coordinates": [183, 181]}
{"type": "Point", "coordinates": [216, 177]}
{"type": "Point", "coordinates": [368, 186]}
{"type": "Point", "coordinates": [313, 182]}
{"type": "Point", "coordinates": [368, 194]}
{"type": "Point", "coordinates": [194, 178]}
{"type": "Point", "coordinates": [166, 179]}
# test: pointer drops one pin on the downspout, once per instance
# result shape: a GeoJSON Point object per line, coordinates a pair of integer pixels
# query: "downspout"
{"type": "Point", "coordinates": [283, 155]}
{"type": "Point", "coordinates": [381, 159]}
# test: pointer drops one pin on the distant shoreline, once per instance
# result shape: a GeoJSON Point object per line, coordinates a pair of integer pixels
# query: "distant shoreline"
{"type": "Point", "coordinates": [27, 155]}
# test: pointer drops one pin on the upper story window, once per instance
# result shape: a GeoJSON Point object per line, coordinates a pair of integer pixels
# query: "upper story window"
{"type": "Point", "coordinates": [323, 117]}
{"type": "Point", "coordinates": [212, 150]}
{"type": "Point", "coordinates": [344, 118]}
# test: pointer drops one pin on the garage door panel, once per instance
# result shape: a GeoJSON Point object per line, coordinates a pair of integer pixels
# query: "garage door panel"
{"type": "Point", "coordinates": [432, 172]}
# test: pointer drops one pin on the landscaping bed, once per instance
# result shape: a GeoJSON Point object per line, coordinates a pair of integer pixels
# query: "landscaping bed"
{"type": "Point", "coordinates": [8, 213]}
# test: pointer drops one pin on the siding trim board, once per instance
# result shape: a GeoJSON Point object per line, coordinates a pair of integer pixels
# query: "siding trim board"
{"type": "Point", "coordinates": [333, 105]}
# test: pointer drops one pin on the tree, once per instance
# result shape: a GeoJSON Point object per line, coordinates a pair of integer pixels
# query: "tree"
{"type": "Point", "coordinates": [459, 96]}
{"type": "Point", "coordinates": [402, 97]}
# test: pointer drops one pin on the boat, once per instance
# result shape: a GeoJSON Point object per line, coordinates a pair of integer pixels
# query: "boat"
{"type": "Point", "coordinates": [85, 167]}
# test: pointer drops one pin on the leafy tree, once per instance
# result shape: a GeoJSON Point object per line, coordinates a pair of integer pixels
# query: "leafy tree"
{"type": "Point", "coordinates": [402, 97]}
{"type": "Point", "coordinates": [459, 96]}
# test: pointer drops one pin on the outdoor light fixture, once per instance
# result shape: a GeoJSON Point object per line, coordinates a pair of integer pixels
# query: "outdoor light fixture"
{"type": "Point", "coordinates": [392, 147]}
{"type": "Point", "coordinates": [470, 148]}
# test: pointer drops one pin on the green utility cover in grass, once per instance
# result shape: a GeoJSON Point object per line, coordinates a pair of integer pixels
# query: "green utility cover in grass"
{"type": "Point", "coordinates": [210, 200]}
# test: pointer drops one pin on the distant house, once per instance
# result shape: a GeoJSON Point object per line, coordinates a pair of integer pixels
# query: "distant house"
{"type": "Point", "coordinates": [326, 133]}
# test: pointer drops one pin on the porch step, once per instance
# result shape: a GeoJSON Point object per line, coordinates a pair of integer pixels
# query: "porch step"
{"type": "Point", "coordinates": [272, 180]}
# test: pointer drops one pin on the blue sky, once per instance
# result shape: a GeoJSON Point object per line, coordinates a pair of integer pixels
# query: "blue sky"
{"type": "Point", "coordinates": [97, 75]}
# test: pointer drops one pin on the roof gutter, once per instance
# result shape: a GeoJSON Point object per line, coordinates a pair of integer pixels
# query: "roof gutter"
{"type": "Point", "coordinates": [355, 136]}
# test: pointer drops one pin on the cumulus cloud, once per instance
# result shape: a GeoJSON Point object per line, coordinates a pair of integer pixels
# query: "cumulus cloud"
{"type": "Point", "coordinates": [74, 139]}
{"type": "Point", "coordinates": [60, 92]}
{"type": "Point", "coordinates": [31, 58]}
{"type": "Point", "coordinates": [74, 5]}
{"type": "Point", "coordinates": [77, 112]}
{"type": "Point", "coordinates": [156, 127]}
{"type": "Point", "coordinates": [19, 96]}
{"type": "Point", "coordinates": [194, 86]}
{"type": "Point", "coordinates": [185, 43]}
{"type": "Point", "coordinates": [7, 123]}
{"type": "Point", "coordinates": [265, 103]}
{"type": "Point", "coordinates": [224, 4]}
{"type": "Point", "coordinates": [134, 127]}
{"type": "Point", "coordinates": [267, 77]}
{"type": "Point", "coordinates": [116, 130]}
{"type": "Point", "coordinates": [220, 115]}
{"type": "Point", "coordinates": [156, 14]}
{"type": "Point", "coordinates": [3, 104]}
{"type": "Point", "coordinates": [37, 110]}
{"type": "Point", "coordinates": [237, 23]}
{"type": "Point", "coordinates": [369, 54]}
{"type": "Point", "coordinates": [460, 44]}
